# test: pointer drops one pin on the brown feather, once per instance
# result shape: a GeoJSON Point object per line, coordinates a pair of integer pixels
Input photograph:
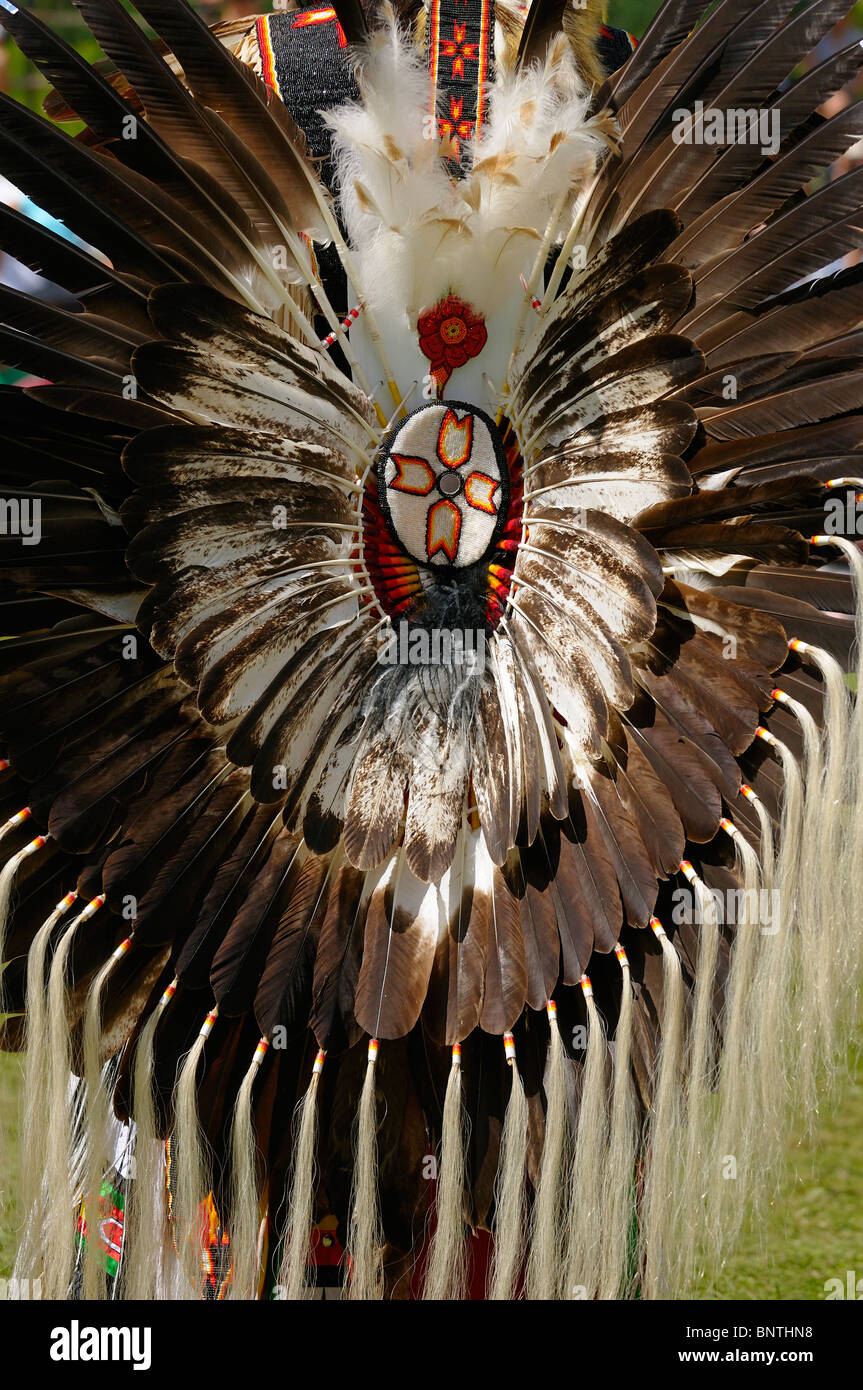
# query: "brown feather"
{"type": "Point", "coordinates": [398, 952]}
{"type": "Point", "coordinates": [506, 969]}
{"type": "Point", "coordinates": [337, 962]}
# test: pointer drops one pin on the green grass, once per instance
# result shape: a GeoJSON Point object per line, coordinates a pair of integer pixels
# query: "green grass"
{"type": "Point", "coordinates": [814, 1230]}
{"type": "Point", "coordinates": [10, 1089]}
{"type": "Point", "coordinates": [812, 1233]}
{"type": "Point", "coordinates": [634, 15]}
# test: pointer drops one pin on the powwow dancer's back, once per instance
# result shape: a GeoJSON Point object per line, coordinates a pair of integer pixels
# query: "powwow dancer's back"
{"type": "Point", "coordinates": [428, 688]}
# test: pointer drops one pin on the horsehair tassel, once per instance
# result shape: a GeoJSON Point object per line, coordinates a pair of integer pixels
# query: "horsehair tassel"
{"type": "Point", "coordinates": [790, 827]}
{"type": "Point", "coordinates": [748, 866]}
{"type": "Point", "coordinates": [775, 1015]}
{"type": "Point", "coordinates": [812, 911]}
{"type": "Point", "coordinates": [815, 908]}
{"type": "Point", "coordinates": [7, 879]}
{"type": "Point", "coordinates": [190, 1164]}
{"type": "Point", "coordinates": [301, 1201]}
{"type": "Point", "coordinates": [545, 1260]}
{"type": "Point", "coordinates": [589, 1162]}
{"type": "Point", "coordinates": [510, 1188]}
{"type": "Point", "coordinates": [618, 1195]}
{"type": "Point", "coordinates": [854, 557]}
{"type": "Point", "coordinates": [245, 1198]}
{"type": "Point", "coordinates": [813, 764]}
{"type": "Point", "coordinates": [850, 879]}
{"type": "Point", "coordinates": [837, 720]}
{"type": "Point", "coordinates": [96, 1119]}
{"type": "Point", "coordinates": [739, 1061]}
{"type": "Point", "coordinates": [35, 1119]}
{"type": "Point", "coordinates": [446, 1275]}
{"type": "Point", "coordinates": [823, 912]}
{"type": "Point", "coordinates": [59, 1234]}
{"type": "Point", "coordinates": [767, 842]}
{"type": "Point", "coordinates": [700, 1074]}
{"type": "Point", "coordinates": [854, 847]}
{"type": "Point", "coordinates": [146, 1212]}
{"type": "Point", "coordinates": [365, 1236]}
{"type": "Point", "coordinates": [835, 902]}
{"type": "Point", "coordinates": [662, 1193]}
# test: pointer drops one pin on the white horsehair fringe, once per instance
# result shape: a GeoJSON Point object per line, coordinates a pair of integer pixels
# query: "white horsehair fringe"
{"type": "Point", "coordinates": [661, 1186]}
{"type": "Point", "coordinates": [770, 1086]}
{"type": "Point", "coordinates": [7, 878]}
{"type": "Point", "coordinates": [365, 1236]}
{"type": "Point", "coordinates": [830, 985]}
{"type": "Point", "coordinates": [191, 1179]}
{"type": "Point", "coordinates": [245, 1194]}
{"type": "Point", "coordinates": [301, 1200]}
{"type": "Point", "coordinates": [37, 1071]}
{"type": "Point", "coordinates": [61, 1191]}
{"type": "Point", "coordinates": [618, 1194]}
{"type": "Point", "coordinates": [146, 1233]}
{"type": "Point", "coordinates": [589, 1162]}
{"type": "Point", "coordinates": [809, 916]}
{"type": "Point", "coordinates": [446, 1274]}
{"type": "Point", "coordinates": [698, 1086]}
{"type": "Point", "coordinates": [736, 1140]}
{"type": "Point", "coordinates": [544, 1272]}
{"type": "Point", "coordinates": [97, 1107]}
{"type": "Point", "coordinates": [510, 1187]}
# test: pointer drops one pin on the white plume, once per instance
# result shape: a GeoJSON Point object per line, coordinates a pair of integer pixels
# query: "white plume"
{"type": "Point", "coordinates": [417, 233]}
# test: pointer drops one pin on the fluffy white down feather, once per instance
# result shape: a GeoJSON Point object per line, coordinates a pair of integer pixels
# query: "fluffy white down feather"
{"type": "Point", "coordinates": [417, 234]}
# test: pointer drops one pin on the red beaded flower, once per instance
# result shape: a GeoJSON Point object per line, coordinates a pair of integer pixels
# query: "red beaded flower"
{"type": "Point", "coordinates": [449, 334]}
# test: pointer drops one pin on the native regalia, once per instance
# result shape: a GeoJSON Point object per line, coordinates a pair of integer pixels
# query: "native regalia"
{"type": "Point", "coordinates": [432, 762]}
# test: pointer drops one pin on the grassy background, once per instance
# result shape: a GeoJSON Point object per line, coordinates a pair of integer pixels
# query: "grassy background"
{"type": "Point", "coordinates": [814, 1230]}
{"type": "Point", "coordinates": [10, 1087]}
{"type": "Point", "coordinates": [634, 15]}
